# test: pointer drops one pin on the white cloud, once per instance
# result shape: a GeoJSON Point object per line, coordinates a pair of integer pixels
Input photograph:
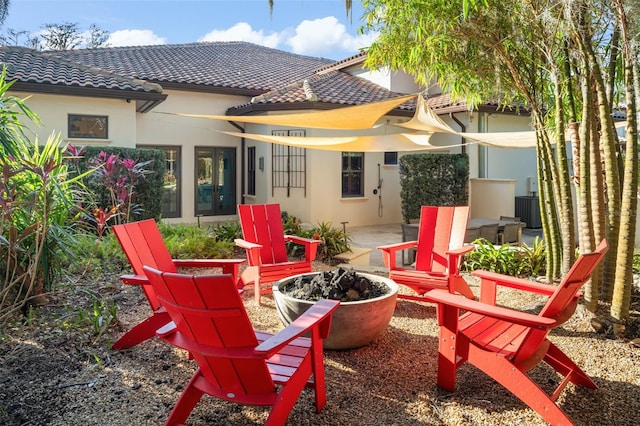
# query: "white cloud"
{"type": "Point", "coordinates": [324, 36]}
{"type": "Point", "coordinates": [243, 32]}
{"type": "Point", "coordinates": [134, 38]}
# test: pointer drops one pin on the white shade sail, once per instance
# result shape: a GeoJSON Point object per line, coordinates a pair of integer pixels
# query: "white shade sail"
{"type": "Point", "coordinates": [375, 143]}
{"type": "Point", "coordinates": [356, 117]}
{"type": "Point", "coordinates": [423, 124]}
{"type": "Point", "coordinates": [425, 119]}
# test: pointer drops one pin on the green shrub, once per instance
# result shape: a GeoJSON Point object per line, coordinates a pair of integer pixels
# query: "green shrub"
{"type": "Point", "coordinates": [432, 180]}
{"type": "Point", "coordinates": [193, 242]}
{"type": "Point", "coordinates": [226, 231]}
{"type": "Point", "coordinates": [507, 259]}
{"type": "Point", "coordinates": [334, 240]}
{"type": "Point", "coordinates": [533, 259]}
{"type": "Point", "coordinates": [94, 257]}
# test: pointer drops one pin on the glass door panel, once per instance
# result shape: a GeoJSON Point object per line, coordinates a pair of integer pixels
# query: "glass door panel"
{"type": "Point", "coordinates": [204, 182]}
{"type": "Point", "coordinates": [225, 181]}
{"type": "Point", "coordinates": [171, 189]}
{"type": "Point", "coordinates": [216, 181]}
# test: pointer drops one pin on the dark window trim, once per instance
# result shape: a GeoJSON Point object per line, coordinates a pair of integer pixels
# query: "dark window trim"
{"type": "Point", "coordinates": [391, 158]}
{"type": "Point", "coordinates": [72, 117]}
{"type": "Point", "coordinates": [346, 193]}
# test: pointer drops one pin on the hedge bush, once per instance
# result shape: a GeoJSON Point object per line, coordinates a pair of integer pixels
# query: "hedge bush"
{"type": "Point", "coordinates": [433, 180]}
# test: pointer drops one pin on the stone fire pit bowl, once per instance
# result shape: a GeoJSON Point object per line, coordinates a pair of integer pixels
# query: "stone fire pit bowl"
{"type": "Point", "coordinates": [354, 324]}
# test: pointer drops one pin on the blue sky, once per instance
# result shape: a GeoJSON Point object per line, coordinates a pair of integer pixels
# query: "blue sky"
{"type": "Point", "coordinates": [308, 27]}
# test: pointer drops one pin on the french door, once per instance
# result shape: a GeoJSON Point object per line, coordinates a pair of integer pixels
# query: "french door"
{"type": "Point", "coordinates": [215, 181]}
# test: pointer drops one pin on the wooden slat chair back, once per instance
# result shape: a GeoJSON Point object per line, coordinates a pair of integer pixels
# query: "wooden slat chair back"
{"type": "Point", "coordinates": [564, 301]}
{"type": "Point", "coordinates": [142, 244]}
{"type": "Point", "coordinates": [236, 363]}
{"type": "Point", "coordinates": [439, 252]}
{"type": "Point", "coordinates": [441, 229]}
{"type": "Point", "coordinates": [262, 224]}
{"type": "Point", "coordinates": [505, 343]}
{"type": "Point", "coordinates": [265, 243]}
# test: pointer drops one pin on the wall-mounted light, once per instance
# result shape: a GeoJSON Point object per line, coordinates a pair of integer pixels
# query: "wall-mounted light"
{"type": "Point", "coordinates": [261, 163]}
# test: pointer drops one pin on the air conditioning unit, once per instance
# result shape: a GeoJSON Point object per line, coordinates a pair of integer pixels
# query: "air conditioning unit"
{"type": "Point", "coordinates": [528, 210]}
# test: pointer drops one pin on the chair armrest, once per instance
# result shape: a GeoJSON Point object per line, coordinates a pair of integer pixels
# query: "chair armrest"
{"type": "Point", "coordinates": [491, 280]}
{"type": "Point", "coordinates": [392, 248]}
{"type": "Point", "coordinates": [318, 315]}
{"type": "Point", "coordinates": [455, 258]}
{"type": "Point", "coordinates": [228, 266]}
{"type": "Point", "coordinates": [253, 251]}
{"type": "Point", "coordinates": [310, 245]}
{"type": "Point", "coordinates": [301, 240]}
{"type": "Point", "coordinates": [134, 279]}
{"type": "Point", "coordinates": [246, 244]}
{"type": "Point", "coordinates": [207, 263]}
{"type": "Point", "coordinates": [461, 251]}
{"type": "Point", "coordinates": [446, 299]}
{"type": "Point", "coordinates": [389, 252]}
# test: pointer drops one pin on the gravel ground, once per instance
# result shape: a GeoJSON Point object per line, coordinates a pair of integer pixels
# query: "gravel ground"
{"type": "Point", "coordinates": [53, 372]}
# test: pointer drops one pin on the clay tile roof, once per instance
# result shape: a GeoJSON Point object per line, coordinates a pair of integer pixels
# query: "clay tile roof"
{"type": "Point", "coordinates": [332, 88]}
{"type": "Point", "coordinates": [357, 59]}
{"type": "Point", "coordinates": [32, 66]}
{"type": "Point", "coordinates": [246, 67]}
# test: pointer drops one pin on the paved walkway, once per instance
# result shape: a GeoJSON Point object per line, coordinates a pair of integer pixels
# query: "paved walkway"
{"type": "Point", "coordinates": [377, 235]}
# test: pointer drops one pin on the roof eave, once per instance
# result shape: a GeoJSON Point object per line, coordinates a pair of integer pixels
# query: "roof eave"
{"type": "Point", "coordinates": [482, 108]}
{"type": "Point", "coordinates": [145, 101]}
{"type": "Point", "coordinates": [253, 109]}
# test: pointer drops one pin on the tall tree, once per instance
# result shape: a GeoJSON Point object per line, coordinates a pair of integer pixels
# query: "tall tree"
{"type": "Point", "coordinates": [4, 10]}
{"type": "Point", "coordinates": [97, 37]}
{"type": "Point", "coordinates": [558, 58]}
{"type": "Point", "coordinates": [65, 36]}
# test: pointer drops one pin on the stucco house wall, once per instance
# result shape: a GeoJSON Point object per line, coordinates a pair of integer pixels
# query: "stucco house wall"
{"type": "Point", "coordinates": [53, 111]}
{"type": "Point", "coordinates": [162, 126]}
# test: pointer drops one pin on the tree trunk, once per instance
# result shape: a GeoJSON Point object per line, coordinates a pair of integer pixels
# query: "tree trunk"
{"type": "Point", "coordinates": [624, 255]}
{"type": "Point", "coordinates": [565, 201]}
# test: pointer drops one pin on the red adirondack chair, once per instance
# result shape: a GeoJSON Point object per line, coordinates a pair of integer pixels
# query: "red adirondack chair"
{"type": "Point", "coordinates": [265, 243]}
{"type": "Point", "coordinates": [235, 362]}
{"type": "Point", "coordinates": [505, 343]}
{"type": "Point", "coordinates": [143, 245]}
{"type": "Point", "coordinates": [439, 252]}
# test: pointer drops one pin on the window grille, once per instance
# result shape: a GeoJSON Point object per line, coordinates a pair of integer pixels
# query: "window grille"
{"type": "Point", "coordinates": [289, 164]}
